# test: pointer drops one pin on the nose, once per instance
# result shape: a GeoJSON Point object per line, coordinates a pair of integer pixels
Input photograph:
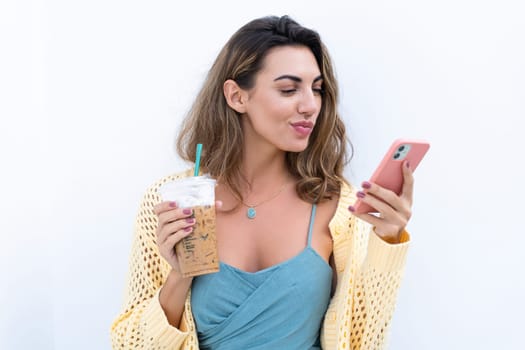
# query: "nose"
{"type": "Point", "coordinates": [309, 104]}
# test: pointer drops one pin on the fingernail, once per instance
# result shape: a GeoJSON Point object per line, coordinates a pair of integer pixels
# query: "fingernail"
{"type": "Point", "coordinates": [190, 220]}
{"type": "Point", "coordinates": [351, 208]}
{"type": "Point", "coordinates": [366, 184]}
{"type": "Point", "coordinates": [407, 164]}
{"type": "Point", "coordinates": [361, 194]}
{"type": "Point", "coordinates": [188, 229]}
{"type": "Point", "coordinates": [187, 211]}
{"type": "Point", "coordinates": [173, 204]}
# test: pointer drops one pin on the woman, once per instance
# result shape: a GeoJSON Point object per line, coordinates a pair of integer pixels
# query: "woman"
{"type": "Point", "coordinates": [298, 269]}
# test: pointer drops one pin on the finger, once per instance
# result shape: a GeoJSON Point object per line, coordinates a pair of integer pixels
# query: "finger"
{"type": "Point", "coordinates": [170, 229]}
{"type": "Point", "coordinates": [408, 182]}
{"type": "Point", "coordinates": [164, 206]}
{"type": "Point", "coordinates": [382, 227]}
{"type": "Point", "coordinates": [167, 249]}
{"type": "Point", "coordinates": [371, 219]}
{"type": "Point", "coordinates": [175, 217]}
{"type": "Point", "coordinates": [398, 211]}
{"type": "Point", "coordinates": [174, 214]}
{"type": "Point", "coordinates": [176, 237]}
{"type": "Point", "coordinates": [381, 193]}
{"type": "Point", "coordinates": [386, 210]}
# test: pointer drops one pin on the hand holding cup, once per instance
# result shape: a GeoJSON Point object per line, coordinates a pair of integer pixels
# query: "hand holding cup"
{"type": "Point", "coordinates": [173, 225]}
{"type": "Point", "coordinates": [187, 222]}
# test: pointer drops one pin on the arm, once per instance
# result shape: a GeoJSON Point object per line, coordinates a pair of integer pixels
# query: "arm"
{"type": "Point", "coordinates": [374, 295]}
{"type": "Point", "coordinates": [369, 272]}
{"type": "Point", "coordinates": [379, 277]}
{"type": "Point", "coordinates": [143, 322]}
{"type": "Point", "coordinates": [172, 296]}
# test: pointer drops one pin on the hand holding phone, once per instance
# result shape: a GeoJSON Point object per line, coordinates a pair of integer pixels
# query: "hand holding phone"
{"type": "Point", "coordinates": [389, 173]}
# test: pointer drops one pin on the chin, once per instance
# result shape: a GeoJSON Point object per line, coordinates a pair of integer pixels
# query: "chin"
{"type": "Point", "coordinates": [295, 148]}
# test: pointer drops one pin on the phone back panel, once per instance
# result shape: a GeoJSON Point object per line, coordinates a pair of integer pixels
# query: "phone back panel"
{"type": "Point", "coordinates": [389, 173]}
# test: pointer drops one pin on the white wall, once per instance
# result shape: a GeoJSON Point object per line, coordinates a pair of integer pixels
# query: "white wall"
{"type": "Point", "coordinates": [92, 93]}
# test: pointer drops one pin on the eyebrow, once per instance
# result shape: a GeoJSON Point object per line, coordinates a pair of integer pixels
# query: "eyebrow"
{"type": "Point", "coordinates": [295, 78]}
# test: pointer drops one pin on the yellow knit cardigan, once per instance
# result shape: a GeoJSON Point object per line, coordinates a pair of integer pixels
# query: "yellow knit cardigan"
{"type": "Point", "coordinates": [368, 270]}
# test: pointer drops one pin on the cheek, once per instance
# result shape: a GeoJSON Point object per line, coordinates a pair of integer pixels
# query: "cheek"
{"type": "Point", "coordinates": [319, 101]}
{"type": "Point", "coordinates": [281, 108]}
{"type": "Point", "coordinates": [273, 109]}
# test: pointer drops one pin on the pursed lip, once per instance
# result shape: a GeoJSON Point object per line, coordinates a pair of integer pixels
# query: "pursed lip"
{"type": "Point", "coordinates": [303, 124]}
{"type": "Point", "coordinates": [303, 128]}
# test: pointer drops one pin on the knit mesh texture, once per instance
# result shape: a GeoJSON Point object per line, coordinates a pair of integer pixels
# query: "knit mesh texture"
{"type": "Point", "coordinates": [142, 323]}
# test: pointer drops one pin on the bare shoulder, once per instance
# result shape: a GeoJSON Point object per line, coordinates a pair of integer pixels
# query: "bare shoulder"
{"type": "Point", "coordinates": [327, 209]}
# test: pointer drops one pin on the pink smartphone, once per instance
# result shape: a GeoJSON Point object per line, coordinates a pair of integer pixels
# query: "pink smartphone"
{"type": "Point", "coordinates": [389, 173]}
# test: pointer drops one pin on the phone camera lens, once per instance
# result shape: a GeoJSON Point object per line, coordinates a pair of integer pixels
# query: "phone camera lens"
{"type": "Point", "coordinates": [400, 149]}
{"type": "Point", "coordinates": [396, 155]}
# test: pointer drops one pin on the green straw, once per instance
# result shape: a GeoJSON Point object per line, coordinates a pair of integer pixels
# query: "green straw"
{"type": "Point", "coordinates": [197, 159]}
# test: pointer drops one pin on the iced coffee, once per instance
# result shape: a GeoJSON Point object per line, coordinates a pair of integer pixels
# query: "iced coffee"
{"type": "Point", "coordinates": [197, 253]}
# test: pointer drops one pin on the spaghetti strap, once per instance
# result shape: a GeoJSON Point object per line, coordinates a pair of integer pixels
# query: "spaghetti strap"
{"type": "Point", "coordinates": [311, 226]}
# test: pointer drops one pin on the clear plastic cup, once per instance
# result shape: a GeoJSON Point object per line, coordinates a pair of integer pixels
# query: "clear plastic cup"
{"type": "Point", "coordinates": [197, 253]}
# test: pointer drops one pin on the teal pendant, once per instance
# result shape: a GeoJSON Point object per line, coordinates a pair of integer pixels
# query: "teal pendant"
{"type": "Point", "coordinates": [251, 213]}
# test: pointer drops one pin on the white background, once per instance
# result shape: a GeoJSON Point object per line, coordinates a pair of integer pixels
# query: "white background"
{"type": "Point", "coordinates": [92, 94]}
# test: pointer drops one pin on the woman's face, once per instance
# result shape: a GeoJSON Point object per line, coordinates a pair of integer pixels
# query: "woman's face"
{"type": "Point", "coordinates": [283, 105]}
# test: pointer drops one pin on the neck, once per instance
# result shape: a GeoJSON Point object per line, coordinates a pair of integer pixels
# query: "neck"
{"type": "Point", "coordinates": [264, 169]}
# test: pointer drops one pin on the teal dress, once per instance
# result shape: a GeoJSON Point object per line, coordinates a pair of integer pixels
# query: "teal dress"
{"type": "Point", "coordinates": [280, 307]}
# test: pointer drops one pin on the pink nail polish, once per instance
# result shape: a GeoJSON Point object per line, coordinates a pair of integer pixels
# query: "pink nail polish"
{"type": "Point", "coordinates": [407, 164]}
{"type": "Point", "coordinates": [190, 220]}
{"type": "Point", "coordinates": [366, 184]}
{"type": "Point", "coordinates": [188, 229]}
{"type": "Point", "coordinates": [360, 194]}
{"type": "Point", "coordinates": [173, 204]}
{"type": "Point", "coordinates": [351, 208]}
{"type": "Point", "coordinates": [186, 211]}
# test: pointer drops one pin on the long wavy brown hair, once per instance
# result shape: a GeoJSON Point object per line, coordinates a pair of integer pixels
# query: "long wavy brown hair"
{"type": "Point", "coordinates": [213, 123]}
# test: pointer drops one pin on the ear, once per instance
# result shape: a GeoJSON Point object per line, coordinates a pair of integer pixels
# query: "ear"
{"type": "Point", "coordinates": [235, 96]}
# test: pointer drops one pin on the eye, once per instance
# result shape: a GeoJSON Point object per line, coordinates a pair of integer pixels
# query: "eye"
{"type": "Point", "coordinates": [318, 90]}
{"type": "Point", "coordinates": [288, 91]}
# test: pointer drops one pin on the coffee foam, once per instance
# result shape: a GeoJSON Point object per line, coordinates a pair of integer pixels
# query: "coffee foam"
{"type": "Point", "coordinates": [190, 191]}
